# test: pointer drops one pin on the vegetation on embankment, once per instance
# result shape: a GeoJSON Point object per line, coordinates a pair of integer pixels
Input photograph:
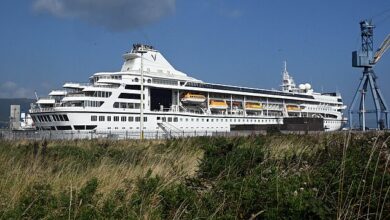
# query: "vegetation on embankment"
{"type": "Point", "coordinates": [319, 176]}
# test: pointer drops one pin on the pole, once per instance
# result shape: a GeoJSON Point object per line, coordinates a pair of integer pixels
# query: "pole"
{"type": "Point", "coordinates": [142, 98]}
{"type": "Point", "coordinates": [363, 111]}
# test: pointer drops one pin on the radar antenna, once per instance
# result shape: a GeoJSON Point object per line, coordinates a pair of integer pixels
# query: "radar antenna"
{"type": "Point", "coordinates": [366, 59]}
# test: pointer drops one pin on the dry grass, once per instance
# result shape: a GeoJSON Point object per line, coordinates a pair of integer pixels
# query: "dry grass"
{"type": "Point", "coordinates": [331, 175]}
{"type": "Point", "coordinates": [170, 163]}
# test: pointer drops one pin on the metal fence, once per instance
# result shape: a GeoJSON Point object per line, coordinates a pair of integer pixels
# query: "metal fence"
{"type": "Point", "coordinates": [117, 135]}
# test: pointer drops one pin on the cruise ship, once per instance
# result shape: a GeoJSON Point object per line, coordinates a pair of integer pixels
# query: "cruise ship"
{"type": "Point", "coordinates": [148, 87]}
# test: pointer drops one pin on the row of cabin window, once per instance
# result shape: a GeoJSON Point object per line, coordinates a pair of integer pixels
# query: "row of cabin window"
{"type": "Point", "coordinates": [127, 105]}
{"type": "Point", "coordinates": [175, 119]}
{"type": "Point", "coordinates": [102, 94]}
{"type": "Point", "coordinates": [130, 96]}
{"type": "Point", "coordinates": [117, 118]}
{"type": "Point", "coordinates": [133, 87]}
{"type": "Point", "coordinates": [320, 109]}
{"type": "Point", "coordinates": [50, 118]}
{"type": "Point", "coordinates": [93, 103]}
{"type": "Point", "coordinates": [124, 128]}
{"type": "Point", "coordinates": [333, 122]}
{"type": "Point", "coordinates": [108, 77]}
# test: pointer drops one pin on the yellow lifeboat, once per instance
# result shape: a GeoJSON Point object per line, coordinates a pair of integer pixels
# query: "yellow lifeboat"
{"type": "Point", "coordinates": [253, 106]}
{"type": "Point", "coordinates": [218, 104]}
{"type": "Point", "coordinates": [293, 108]}
{"type": "Point", "coordinates": [193, 98]}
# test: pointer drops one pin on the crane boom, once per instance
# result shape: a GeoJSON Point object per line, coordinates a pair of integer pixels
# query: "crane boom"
{"type": "Point", "coordinates": [382, 49]}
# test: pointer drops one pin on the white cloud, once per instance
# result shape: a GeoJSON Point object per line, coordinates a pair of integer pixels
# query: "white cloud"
{"type": "Point", "coordinates": [10, 89]}
{"type": "Point", "coordinates": [117, 15]}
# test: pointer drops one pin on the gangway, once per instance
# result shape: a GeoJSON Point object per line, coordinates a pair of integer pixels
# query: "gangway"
{"type": "Point", "coordinates": [170, 130]}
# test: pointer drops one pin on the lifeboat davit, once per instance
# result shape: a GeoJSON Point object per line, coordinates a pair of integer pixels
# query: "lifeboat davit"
{"type": "Point", "coordinates": [193, 98]}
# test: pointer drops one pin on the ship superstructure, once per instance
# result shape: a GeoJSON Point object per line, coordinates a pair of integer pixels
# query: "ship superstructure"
{"type": "Point", "coordinates": [174, 102]}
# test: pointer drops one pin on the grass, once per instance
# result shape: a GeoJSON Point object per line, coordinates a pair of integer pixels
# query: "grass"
{"type": "Point", "coordinates": [318, 176]}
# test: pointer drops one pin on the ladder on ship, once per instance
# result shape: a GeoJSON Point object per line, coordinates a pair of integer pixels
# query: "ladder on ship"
{"type": "Point", "coordinates": [170, 130]}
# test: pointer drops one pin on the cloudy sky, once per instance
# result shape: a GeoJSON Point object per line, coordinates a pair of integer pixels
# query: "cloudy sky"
{"type": "Point", "coordinates": [44, 43]}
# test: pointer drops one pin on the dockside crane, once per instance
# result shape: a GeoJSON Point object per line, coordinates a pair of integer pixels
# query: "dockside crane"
{"type": "Point", "coordinates": [366, 59]}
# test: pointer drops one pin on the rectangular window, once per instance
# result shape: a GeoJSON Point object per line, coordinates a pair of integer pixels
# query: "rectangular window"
{"type": "Point", "coordinates": [79, 127]}
{"type": "Point", "coordinates": [108, 118]}
{"type": "Point", "coordinates": [123, 118]}
{"type": "Point", "coordinates": [63, 128]}
{"type": "Point", "coordinates": [137, 118]}
{"type": "Point", "coordinates": [175, 119]}
{"type": "Point", "coordinates": [93, 118]}
{"type": "Point", "coordinates": [169, 119]}
{"type": "Point", "coordinates": [101, 118]}
{"type": "Point", "coordinates": [131, 118]}
{"type": "Point", "coordinates": [145, 119]}
{"type": "Point", "coordinates": [90, 127]}
{"type": "Point", "coordinates": [116, 118]}
{"type": "Point", "coordinates": [129, 96]}
{"type": "Point", "coordinates": [133, 87]}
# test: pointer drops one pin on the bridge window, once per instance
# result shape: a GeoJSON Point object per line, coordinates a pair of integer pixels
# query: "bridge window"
{"type": "Point", "coordinates": [129, 96]}
{"type": "Point", "coordinates": [133, 87]}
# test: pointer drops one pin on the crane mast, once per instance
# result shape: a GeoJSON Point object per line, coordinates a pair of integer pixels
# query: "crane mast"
{"type": "Point", "coordinates": [382, 49]}
{"type": "Point", "coordinates": [366, 59]}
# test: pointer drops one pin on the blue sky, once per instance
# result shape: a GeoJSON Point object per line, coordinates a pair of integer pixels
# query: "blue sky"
{"type": "Point", "coordinates": [44, 43]}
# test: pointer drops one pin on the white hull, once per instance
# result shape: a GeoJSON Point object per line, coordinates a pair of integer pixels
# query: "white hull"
{"type": "Point", "coordinates": [112, 102]}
